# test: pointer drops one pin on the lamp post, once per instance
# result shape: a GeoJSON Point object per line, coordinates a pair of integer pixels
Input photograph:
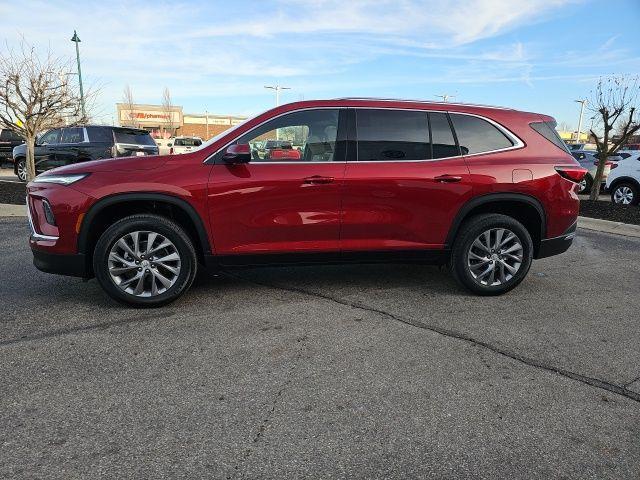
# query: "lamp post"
{"type": "Point", "coordinates": [75, 39]}
{"type": "Point", "coordinates": [277, 88]}
{"type": "Point", "coordinates": [206, 113]}
{"type": "Point", "coordinates": [582, 104]}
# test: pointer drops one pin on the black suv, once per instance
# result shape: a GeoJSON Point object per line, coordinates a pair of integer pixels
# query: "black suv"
{"type": "Point", "coordinates": [8, 140]}
{"type": "Point", "coordinates": [63, 146]}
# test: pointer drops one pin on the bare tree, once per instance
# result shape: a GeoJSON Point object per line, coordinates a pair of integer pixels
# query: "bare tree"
{"type": "Point", "coordinates": [36, 95]}
{"type": "Point", "coordinates": [565, 127]}
{"type": "Point", "coordinates": [614, 104]}
{"type": "Point", "coordinates": [167, 111]}
{"type": "Point", "coordinates": [129, 105]}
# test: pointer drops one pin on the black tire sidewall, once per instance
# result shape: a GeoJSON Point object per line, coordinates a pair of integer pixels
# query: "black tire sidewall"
{"type": "Point", "coordinates": [153, 223]}
{"type": "Point", "coordinates": [589, 184]}
{"type": "Point", "coordinates": [23, 162]}
{"type": "Point", "coordinates": [467, 234]}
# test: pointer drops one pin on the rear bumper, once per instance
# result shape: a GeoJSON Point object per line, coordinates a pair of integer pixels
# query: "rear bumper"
{"type": "Point", "coordinates": [557, 245]}
{"type": "Point", "coordinates": [74, 265]}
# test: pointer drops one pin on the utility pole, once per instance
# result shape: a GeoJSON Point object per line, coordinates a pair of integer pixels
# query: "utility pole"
{"type": "Point", "coordinates": [75, 39]}
{"type": "Point", "coordinates": [445, 97]}
{"type": "Point", "coordinates": [582, 104]}
{"type": "Point", "coordinates": [277, 88]}
{"type": "Point", "coordinates": [206, 113]}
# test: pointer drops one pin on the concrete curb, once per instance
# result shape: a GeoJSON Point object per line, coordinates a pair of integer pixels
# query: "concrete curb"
{"type": "Point", "coordinates": [9, 210]}
{"type": "Point", "coordinates": [607, 226]}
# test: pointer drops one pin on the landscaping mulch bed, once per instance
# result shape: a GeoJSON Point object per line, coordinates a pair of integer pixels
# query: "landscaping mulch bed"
{"type": "Point", "coordinates": [13, 193]}
{"type": "Point", "coordinates": [610, 211]}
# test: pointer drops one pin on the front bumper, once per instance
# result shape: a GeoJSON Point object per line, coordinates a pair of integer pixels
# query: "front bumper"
{"type": "Point", "coordinates": [557, 245]}
{"type": "Point", "coordinates": [74, 265]}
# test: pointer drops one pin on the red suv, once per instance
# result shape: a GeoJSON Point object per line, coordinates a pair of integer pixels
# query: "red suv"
{"type": "Point", "coordinates": [482, 189]}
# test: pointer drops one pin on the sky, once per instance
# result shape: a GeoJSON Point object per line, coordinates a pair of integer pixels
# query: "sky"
{"type": "Point", "coordinates": [534, 55]}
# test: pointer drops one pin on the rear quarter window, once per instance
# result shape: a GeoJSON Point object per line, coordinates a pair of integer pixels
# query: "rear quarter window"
{"type": "Point", "coordinates": [548, 131]}
{"type": "Point", "coordinates": [476, 135]}
{"type": "Point", "coordinates": [100, 135]}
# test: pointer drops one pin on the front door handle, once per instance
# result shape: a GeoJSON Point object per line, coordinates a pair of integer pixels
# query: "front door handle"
{"type": "Point", "coordinates": [448, 178]}
{"type": "Point", "coordinates": [318, 180]}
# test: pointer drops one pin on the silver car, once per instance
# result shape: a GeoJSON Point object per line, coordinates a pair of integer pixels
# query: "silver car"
{"type": "Point", "coordinates": [588, 159]}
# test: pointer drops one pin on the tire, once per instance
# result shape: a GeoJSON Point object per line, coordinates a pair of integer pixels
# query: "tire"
{"type": "Point", "coordinates": [164, 277]}
{"type": "Point", "coordinates": [21, 170]}
{"type": "Point", "coordinates": [625, 193]}
{"type": "Point", "coordinates": [468, 270]}
{"type": "Point", "coordinates": [585, 185]}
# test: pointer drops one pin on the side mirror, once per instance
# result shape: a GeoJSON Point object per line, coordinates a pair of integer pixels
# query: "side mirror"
{"type": "Point", "coordinates": [238, 153]}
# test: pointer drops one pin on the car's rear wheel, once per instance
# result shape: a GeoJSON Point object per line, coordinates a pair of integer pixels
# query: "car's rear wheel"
{"type": "Point", "coordinates": [492, 254]}
{"type": "Point", "coordinates": [21, 170]}
{"type": "Point", "coordinates": [625, 193]}
{"type": "Point", "coordinates": [585, 185]}
{"type": "Point", "coordinates": [145, 260]}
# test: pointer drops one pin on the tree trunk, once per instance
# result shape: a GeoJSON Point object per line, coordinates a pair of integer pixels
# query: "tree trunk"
{"type": "Point", "coordinates": [30, 160]}
{"type": "Point", "coordinates": [597, 181]}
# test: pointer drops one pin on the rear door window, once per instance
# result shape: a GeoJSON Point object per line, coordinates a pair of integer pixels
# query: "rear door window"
{"type": "Point", "coordinates": [72, 135]}
{"type": "Point", "coordinates": [52, 137]}
{"type": "Point", "coordinates": [444, 143]}
{"type": "Point", "coordinates": [476, 135]}
{"type": "Point", "coordinates": [133, 137]}
{"type": "Point", "coordinates": [100, 135]}
{"type": "Point", "coordinates": [392, 135]}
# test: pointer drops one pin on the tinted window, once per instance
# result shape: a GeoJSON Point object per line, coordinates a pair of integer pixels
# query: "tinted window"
{"type": "Point", "coordinates": [548, 131]}
{"type": "Point", "coordinates": [133, 137]}
{"type": "Point", "coordinates": [72, 135]}
{"type": "Point", "coordinates": [52, 137]}
{"type": "Point", "coordinates": [476, 135]}
{"type": "Point", "coordinates": [100, 134]}
{"type": "Point", "coordinates": [187, 142]}
{"type": "Point", "coordinates": [9, 136]}
{"type": "Point", "coordinates": [385, 135]}
{"type": "Point", "coordinates": [623, 155]}
{"type": "Point", "coordinates": [306, 136]}
{"type": "Point", "coordinates": [444, 144]}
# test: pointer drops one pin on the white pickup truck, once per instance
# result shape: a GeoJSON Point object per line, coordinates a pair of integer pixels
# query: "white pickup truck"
{"type": "Point", "coordinates": [179, 145]}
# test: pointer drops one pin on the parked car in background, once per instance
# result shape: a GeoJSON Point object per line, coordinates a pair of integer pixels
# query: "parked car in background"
{"type": "Point", "coordinates": [582, 146]}
{"type": "Point", "coordinates": [164, 144]}
{"type": "Point", "coordinates": [588, 159]}
{"type": "Point", "coordinates": [67, 145]}
{"type": "Point", "coordinates": [8, 141]}
{"type": "Point", "coordinates": [280, 150]}
{"type": "Point", "coordinates": [484, 190]}
{"type": "Point", "coordinates": [178, 145]}
{"type": "Point", "coordinates": [623, 182]}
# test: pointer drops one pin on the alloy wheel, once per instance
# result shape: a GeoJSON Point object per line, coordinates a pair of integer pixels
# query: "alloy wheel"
{"type": "Point", "coordinates": [582, 186]}
{"type": "Point", "coordinates": [623, 195]}
{"type": "Point", "coordinates": [22, 171]}
{"type": "Point", "coordinates": [495, 256]}
{"type": "Point", "coordinates": [144, 263]}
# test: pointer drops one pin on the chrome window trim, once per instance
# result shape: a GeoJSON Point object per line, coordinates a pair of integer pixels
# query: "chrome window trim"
{"type": "Point", "coordinates": [34, 234]}
{"type": "Point", "coordinates": [517, 142]}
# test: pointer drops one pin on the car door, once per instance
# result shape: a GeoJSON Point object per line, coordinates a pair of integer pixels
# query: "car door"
{"type": "Point", "coordinates": [46, 149]}
{"type": "Point", "coordinates": [286, 206]}
{"type": "Point", "coordinates": [404, 182]}
{"type": "Point", "coordinates": [72, 146]}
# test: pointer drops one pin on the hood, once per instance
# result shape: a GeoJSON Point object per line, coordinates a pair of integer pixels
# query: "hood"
{"type": "Point", "coordinates": [128, 164]}
{"type": "Point", "coordinates": [22, 148]}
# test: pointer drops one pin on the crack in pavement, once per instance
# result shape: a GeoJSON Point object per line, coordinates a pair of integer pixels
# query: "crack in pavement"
{"type": "Point", "coordinates": [594, 382]}
{"type": "Point", "coordinates": [263, 425]}
{"type": "Point", "coordinates": [83, 328]}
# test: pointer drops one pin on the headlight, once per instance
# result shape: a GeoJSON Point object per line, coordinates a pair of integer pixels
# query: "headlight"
{"type": "Point", "coordinates": [60, 179]}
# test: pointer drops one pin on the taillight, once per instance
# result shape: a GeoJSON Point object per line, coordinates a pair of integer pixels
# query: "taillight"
{"type": "Point", "coordinates": [574, 174]}
{"type": "Point", "coordinates": [608, 163]}
{"type": "Point", "coordinates": [614, 165]}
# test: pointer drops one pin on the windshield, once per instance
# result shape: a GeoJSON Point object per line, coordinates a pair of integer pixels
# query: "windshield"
{"type": "Point", "coordinates": [222, 134]}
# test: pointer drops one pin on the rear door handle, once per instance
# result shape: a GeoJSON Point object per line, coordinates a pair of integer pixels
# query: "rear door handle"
{"type": "Point", "coordinates": [318, 180]}
{"type": "Point", "coordinates": [448, 178]}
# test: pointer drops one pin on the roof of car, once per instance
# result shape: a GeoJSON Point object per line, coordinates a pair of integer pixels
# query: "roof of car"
{"type": "Point", "coordinates": [407, 100]}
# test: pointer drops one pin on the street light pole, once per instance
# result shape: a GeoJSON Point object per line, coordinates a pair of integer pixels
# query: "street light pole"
{"type": "Point", "coordinates": [75, 39]}
{"type": "Point", "coordinates": [582, 103]}
{"type": "Point", "coordinates": [206, 112]}
{"type": "Point", "coordinates": [277, 88]}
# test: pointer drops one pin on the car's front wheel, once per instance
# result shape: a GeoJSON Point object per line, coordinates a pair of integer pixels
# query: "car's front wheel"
{"type": "Point", "coordinates": [145, 261]}
{"type": "Point", "coordinates": [21, 170]}
{"type": "Point", "coordinates": [625, 193]}
{"type": "Point", "coordinates": [491, 254]}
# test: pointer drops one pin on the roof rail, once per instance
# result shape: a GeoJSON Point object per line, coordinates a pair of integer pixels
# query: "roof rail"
{"type": "Point", "coordinates": [380, 99]}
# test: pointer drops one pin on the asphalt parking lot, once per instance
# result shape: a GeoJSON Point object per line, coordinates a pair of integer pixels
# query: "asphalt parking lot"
{"type": "Point", "coordinates": [326, 372]}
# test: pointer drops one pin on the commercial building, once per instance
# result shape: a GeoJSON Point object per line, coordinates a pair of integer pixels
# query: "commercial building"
{"type": "Point", "coordinates": [165, 122]}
